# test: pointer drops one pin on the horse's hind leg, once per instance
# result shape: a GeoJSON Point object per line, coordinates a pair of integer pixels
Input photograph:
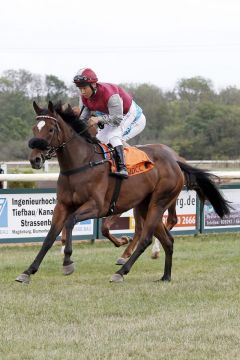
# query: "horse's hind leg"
{"type": "Point", "coordinates": [154, 215]}
{"type": "Point", "coordinates": [165, 194]}
{"type": "Point", "coordinates": [166, 241]}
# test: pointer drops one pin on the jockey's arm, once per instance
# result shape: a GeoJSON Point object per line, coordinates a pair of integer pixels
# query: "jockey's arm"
{"type": "Point", "coordinates": [115, 109]}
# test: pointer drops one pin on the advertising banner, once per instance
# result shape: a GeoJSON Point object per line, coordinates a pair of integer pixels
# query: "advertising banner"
{"type": "Point", "coordinates": [27, 217]}
{"type": "Point", "coordinates": [186, 213]}
{"type": "Point", "coordinates": [212, 222]}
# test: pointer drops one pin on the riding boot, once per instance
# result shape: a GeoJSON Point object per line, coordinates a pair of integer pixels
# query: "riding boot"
{"type": "Point", "coordinates": [120, 162]}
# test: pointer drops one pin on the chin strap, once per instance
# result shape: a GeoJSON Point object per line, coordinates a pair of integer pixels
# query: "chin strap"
{"type": "Point", "coordinates": [94, 90]}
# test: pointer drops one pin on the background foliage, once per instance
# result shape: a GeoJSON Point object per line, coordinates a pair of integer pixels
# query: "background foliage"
{"type": "Point", "coordinates": [194, 119]}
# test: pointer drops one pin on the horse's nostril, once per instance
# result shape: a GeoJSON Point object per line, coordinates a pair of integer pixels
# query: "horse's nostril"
{"type": "Point", "coordinates": [36, 162]}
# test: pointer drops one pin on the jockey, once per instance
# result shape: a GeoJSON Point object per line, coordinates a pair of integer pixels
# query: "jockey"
{"type": "Point", "coordinates": [117, 115]}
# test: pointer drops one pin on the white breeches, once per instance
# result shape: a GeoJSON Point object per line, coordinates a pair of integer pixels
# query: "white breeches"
{"type": "Point", "coordinates": [133, 123]}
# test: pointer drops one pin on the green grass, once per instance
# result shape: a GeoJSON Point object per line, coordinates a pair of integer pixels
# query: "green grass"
{"type": "Point", "coordinates": [83, 316]}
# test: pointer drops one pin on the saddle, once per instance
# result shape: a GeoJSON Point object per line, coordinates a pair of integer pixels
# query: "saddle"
{"type": "Point", "coordinates": [137, 161]}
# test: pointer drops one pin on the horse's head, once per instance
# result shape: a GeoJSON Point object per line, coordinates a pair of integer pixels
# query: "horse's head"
{"type": "Point", "coordinates": [48, 136]}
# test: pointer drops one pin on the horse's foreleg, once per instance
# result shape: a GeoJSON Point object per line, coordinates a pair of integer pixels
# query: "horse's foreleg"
{"type": "Point", "coordinates": [155, 248]}
{"type": "Point", "coordinates": [106, 225]}
{"type": "Point", "coordinates": [86, 211]}
{"type": "Point", "coordinates": [132, 245]}
{"type": "Point", "coordinates": [56, 227]}
{"type": "Point", "coordinates": [63, 239]}
{"type": "Point", "coordinates": [170, 223]}
{"type": "Point", "coordinates": [68, 265]}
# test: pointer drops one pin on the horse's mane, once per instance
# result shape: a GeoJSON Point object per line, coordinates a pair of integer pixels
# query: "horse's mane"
{"type": "Point", "coordinates": [76, 124]}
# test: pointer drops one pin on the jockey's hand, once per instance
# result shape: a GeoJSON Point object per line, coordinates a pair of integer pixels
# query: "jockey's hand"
{"type": "Point", "coordinates": [93, 120]}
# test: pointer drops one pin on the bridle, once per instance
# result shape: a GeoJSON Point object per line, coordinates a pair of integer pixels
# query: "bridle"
{"type": "Point", "coordinates": [52, 150]}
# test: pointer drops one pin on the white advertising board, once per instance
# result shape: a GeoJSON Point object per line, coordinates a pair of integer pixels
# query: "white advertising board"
{"type": "Point", "coordinates": [29, 215]}
{"type": "Point", "coordinates": [212, 221]}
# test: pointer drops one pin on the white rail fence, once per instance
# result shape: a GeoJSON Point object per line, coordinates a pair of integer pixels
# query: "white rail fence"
{"type": "Point", "coordinates": [223, 175]}
{"type": "Point", "coordinates": [46, 175]}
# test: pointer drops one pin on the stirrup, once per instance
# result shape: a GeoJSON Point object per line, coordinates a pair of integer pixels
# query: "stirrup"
{"type": "Point", "coordinates": [120, 174]}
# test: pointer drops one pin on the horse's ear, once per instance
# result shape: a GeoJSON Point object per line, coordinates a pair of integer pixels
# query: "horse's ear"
{"type": "Point", "coordinates": [50, 107]}
{"type": "Point", "coordinates": [36, 108]}
{"type": "Point", "coordinates": [69, 108]}
{"type": "Point", "coordinates": [76, 110]}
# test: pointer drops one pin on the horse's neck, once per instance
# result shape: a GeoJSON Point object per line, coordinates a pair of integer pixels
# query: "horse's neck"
{"type": "Point", "coordinates": [75, 153]}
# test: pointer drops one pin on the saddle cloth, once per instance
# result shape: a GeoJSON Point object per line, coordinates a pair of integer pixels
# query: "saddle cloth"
{"type": "Point", "coordinates": [137, 161]}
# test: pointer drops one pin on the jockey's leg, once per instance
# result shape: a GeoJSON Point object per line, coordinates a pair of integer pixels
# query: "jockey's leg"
{"type": "Point", "coordinates": [120, 158]}
{"type": "Point", "coordinates": [133, 122]}
{"type": "Point", "coordinates": [113, 135]}
{"type": "Point", "coordinates": [121, 164]}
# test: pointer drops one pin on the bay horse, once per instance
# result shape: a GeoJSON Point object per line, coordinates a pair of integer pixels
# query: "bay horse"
{"type": "Point", "coordinates": [84, 187]}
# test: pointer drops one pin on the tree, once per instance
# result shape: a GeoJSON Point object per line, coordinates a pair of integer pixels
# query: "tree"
{"type": "Point", "coordinates": [16, 81]}
{"type": "Point", "coordinates": [194, 90]}
{"type": "Point", "coordinates": [230, 96]}
{"type": "Point", "coordinates": [56, 89]}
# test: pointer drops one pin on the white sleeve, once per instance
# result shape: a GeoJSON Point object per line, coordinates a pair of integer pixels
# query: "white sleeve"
{"type": "Point", "coordinates": [115, 108]}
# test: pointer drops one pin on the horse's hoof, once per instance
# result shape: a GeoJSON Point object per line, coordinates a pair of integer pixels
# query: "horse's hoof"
{"type": "Point", "coordinates": [155, 255]}
{"type": "Point", "coordinates": [23, 278]}
{"type": "Point", "coordinates": [68, 269]}
{"type": "Point", "coordinates": [166, 278]}
{"type": "Point", "coordinates": [121, 261]}
{"type": "Point", "coordinates": [127, 239]}
{"type": "Point", "coordinates": [116, 278]}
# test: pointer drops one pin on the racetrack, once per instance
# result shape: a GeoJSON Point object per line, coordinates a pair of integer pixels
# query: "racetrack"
{"type": "Point", "coordinates": [83, 316]}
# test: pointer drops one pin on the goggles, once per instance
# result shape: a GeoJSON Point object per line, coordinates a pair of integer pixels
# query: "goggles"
{"type": "Point", "coordinates": [80, 78]}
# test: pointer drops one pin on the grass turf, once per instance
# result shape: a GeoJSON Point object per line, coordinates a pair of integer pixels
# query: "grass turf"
{"type": "Point", "coordinates": [83, 316]}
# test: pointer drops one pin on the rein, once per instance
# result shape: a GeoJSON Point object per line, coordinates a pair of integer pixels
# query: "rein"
{"type": "Point", "coordinates": [91, 164]}
{"type": "Point", "coordinates": [52, 152]}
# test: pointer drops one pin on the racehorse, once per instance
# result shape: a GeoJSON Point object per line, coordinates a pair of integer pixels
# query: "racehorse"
{"type": "Point", "coordinates": [84, 187]}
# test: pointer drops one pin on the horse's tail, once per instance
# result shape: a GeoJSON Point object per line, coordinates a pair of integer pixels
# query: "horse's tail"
{"type": "Point", "coordinates": [202, 182]}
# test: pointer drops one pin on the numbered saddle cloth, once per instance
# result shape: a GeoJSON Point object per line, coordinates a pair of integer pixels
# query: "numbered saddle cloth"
{"type": "Point", "coordinates": [137, 161]}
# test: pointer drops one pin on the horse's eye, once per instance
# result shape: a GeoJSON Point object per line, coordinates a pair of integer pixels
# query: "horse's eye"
{"type": "Point", "coordinates": [51, 130]}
